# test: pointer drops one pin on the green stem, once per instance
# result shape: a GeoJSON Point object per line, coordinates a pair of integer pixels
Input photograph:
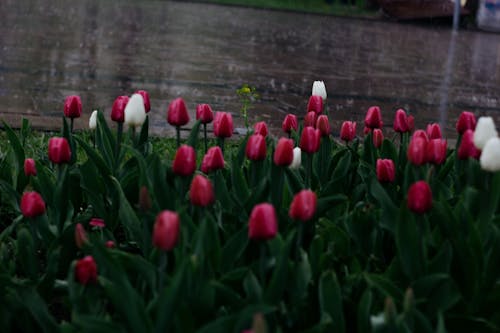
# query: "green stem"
{"type": "Point", "coordinates": [309, 170]}
{"type": "Point", "coordinates": [178, 130]}
{"type": "Point", "coordinates": [262, 263]}
{"type": "Point", "coordinates": [205, 136]}
{"type": "Point", "coordinates": [162, 266]}
{"type": "Point", "coordinates": [119, 135]}
{"type": "Point", "coordinates": [300, 236]}
{"type": "Point", "coordinates": [71, 126]}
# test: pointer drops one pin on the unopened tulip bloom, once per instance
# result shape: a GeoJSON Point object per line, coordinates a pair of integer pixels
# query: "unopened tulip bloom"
{"type": "Point", "coordinates": [97, 222]}
{"type": "Point", "coordinates": [420, 134]}
{"type": "Point", "coordinates": [201, 192]}
{"type": "Point", "coordinates": [297, 158]}
{"type": "Point", "coordinates": [419, 197]}
{"type": "Point", "coordinates": [59, 151]}
{"type": "Point", "coordinates": [110, 244]}
{"type": "Point", "coordinates": [373, 118]}
{"type": "Point", "coordinates": [323, 125]}
{"type": "Point", "coordinates": [466, 121]}
{"type": "Point", "coordinates": [310, 119]}
{"type": "Point", "coordinates": [319, 89]}
{"type": "Point", "coordinates": [135, 113]}
{"type": "Point", "coordinates": [401, 121]}
{"type": "Point", "coordinates": [213, 160]}
{"type": "Point", "coordinates": [485, 130]}
{"type": "Point", "coordinates": [32, 204]}
{"type": "Point", "coordinates": [204, 113]}
{"type": "Point", "coordinates": [303, 206]}
{"type": "Point", "coordinates": [310, 140]}
{"type": "Point", "coordinates": [144, 199]}
{"type": "Point", "coordinates": [490, 156]}
{"type": "Point", "coordinates": [118, 109]}
{"type": "Point", "coordinates": [29, 167]}
{"type": "Point", "coordinates": [290, 123]}
{"type": "Point", "coordinates": [260, 128]}
{"type": "Point", "coordinates": [73, 107]}
{"type": "Point", "coordinates": [86, 270]}
{"type": "Point", "coordinates": [145, 98]}
{"type": "Point", "coordinates": [417, 151]}
{"type": "Point", "coordinates": [184, 161]}
{"type": "Point", "coordinates": [177, 114]}
{"type": "Point", "coordinates": [434, 131]}
{"type": "Point", "coordinates": [93, 120]}
{"type": "Point", "coordinates": [315, 104]}
{"type": "Point", "coordinates": [386, 172]}
{"type": "Point", "coordinates": [283, 154]}
{"type": "Point", "coordinates": [256, 148]}
{"type": "Point", "coordinates": [348, 131]}
{"type": "Point", "coordinates": [378, 137]}
{"type": "Point", "coordinates": [263, 223]}
{"type": "Point", "coordinates": [80, 236]}
{"type": "Point", "coordinates": [411, 123]}
{"type": "Point", "coordinates": [467, 148]}
{"type": "Point", "coordinates": [436, 151]}
{"type": "Point", "coordinates": [223, 125]}
{"type": "Point", "coordinates": [166, 230]}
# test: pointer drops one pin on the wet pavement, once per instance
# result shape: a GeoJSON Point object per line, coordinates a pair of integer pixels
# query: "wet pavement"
{"type": "Point", "coordinates": [100, 49]}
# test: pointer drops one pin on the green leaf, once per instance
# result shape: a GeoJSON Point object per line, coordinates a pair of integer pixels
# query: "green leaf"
{"type": "Point", "coordinates": [363, 313]}
{"type": "Point", "coordinates": [409, 242]}
{"type": "Point", "coordinates": [221, 324]}
{"type": "Point", "coordinates": [301, 278]}
{"type": "Point", "coordinates": [92, 154]}
{"type": "Point", "coordinates": [239, 184]}
{"type": "Point", "coordinates": [389, 210]}
{"type": "Point", "coordinates": [27, 253]}
{"type": "Point", "coordinates": [384, 285]}
{"type": "Point", "coordinates": [252, 288]}
{"type": "Point", "coordinates": [169, 299]}
{"type": "Point", "coordinates": [276, 287]}
{"type": "Point", "coordinates": [326, 203]}
{"type": "Point", "coordinates": [330, 300]}
{"type": "Point", "coordinates": [193, 135]}
{"type": "Point", "coordinates": [233, 249]}
{"type": "Point", "coordinates": [88, 323]}
{"type": "Point", "coordinates": [37, 308]}
{"type": "Point", "coordinates": [442, 260]}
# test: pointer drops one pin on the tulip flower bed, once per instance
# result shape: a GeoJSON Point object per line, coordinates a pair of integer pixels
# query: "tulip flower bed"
{"type": "Point", "coordinates": [372, 232]}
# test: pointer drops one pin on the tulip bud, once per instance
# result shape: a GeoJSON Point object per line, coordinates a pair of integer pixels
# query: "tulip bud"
{"type": "Point", "coordinates": [256, 148]}
{"type": "Point", "coordinates": [93, 120]}
{"type": "Point", "coordinates": [409, 300]}
{"type": "Point", "coordinates": [378, 137]}
{"type": "Point", "coordinates": [118, 109]}
{"type": "Point", "coordinates": [411, 123]}
{"type": "Point", "coordinates": [29, 167]}
{"type": "Point", "coordinates": [177, 114]}
{"type": "Point", "coordinates": [466, 121]}
{"type": "Point", "coordinates": [366, 130]}
{"type": "Point", "coordinates": [315, 104]}
{"type": "Point", "coordinates": [490, 156]}
{"type": "Point", "coordinates": [348, 131]}
{"type": "Point", "coordinates": [373, 118]}
{"type": "Point", "coordinates": [386, 172]}
{"type": "Point", "coordinates": [283, 154]}
{"type": "Point", "coordinates": [73, 107]}
{"type": "Point", "coordinates": [145, 98]}
{"type": "Point", "coordinates": [263, 223]}
{"type": "Point", "coordinates": [213, 160]}
{"type": "Point", "coordinates": [420, 134]}
{"type": "Point", "coordinates": [303, 206]}
{"type": "Point", "coordinates": [434, 131]}
{"type": "Point", "coordinates": [86, 270]}
{"type": "Point", "coordinates": [97, 222]}
{"type": "Point", "coordinates": [310, 140]}
{"type": "Point", "coordinates": [32, 204]}
{"type": "Point", "coordinates": [485, 130]}
{"type": "Point", "coordinates": [260, 128]}
{"type": "Point", "coordinates": [319, 89]}
{"type": "Point", "coordinates": [467, 148]}
{"type": "Point", "coordinates": [80, 236]}
{"type": "Point", "coordinates": [144, 199]}
{"type": "Point", "coordinates": [401, 121]}
{"type": "Point", "coordinates": [323, 125]}
{"type": "Point", "coordinates": [417, 151]}
{"type": "Point", "coordinates": [290, 123]}
{"type": "Point", "coordinates": [436, 151]}
{"type": "Point", "coordinates": [135, 113]}
{"type": "Point", "coordinates": [390, 312]}
{"type": "Point", "coordinates": [110, 244]}
{"type": "Point", "coordinates": [310, 119]}
{"type": "Point", "coordinates": [184, 161]}
{"type": "Point", "coordinates": [297, 158]}
{"type": "Point", "coordinates": [59, 150]}
{"type": "Point", "coordinates": [419, 197]}
{"type": "Point", "coordinates": [201, 192]}
{"type": "Point", "coordinates": [223, 125]}
{"type": "Point", "coordinates": [166, 230]}
{"type": "Point", "coordinates": [204, 113]}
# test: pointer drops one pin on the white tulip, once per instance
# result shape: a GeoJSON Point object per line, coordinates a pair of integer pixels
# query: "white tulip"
{"type": "Point", "coordinates": [490, 156]}
{"type": "Point", "coordinates": [93, 120]}
{"type": "Point", "coordinates": [297, 158]}
{"type": "Point", "coordinates": [319, 89]}
{"type": "Point", "coordinates": [485, 130]}
{"type": "Point", "coordinates": [135, 113]}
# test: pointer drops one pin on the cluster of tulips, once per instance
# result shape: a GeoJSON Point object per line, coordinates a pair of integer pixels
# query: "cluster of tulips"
{"type": "Point", "coordinates": [304, 232]}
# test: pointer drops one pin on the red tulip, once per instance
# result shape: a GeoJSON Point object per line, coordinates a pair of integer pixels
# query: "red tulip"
{"type": "Point", "coordinates": [419, 197]}
{"type": "Point", "coordinates": [310, 119]}
{"type": "Point", "coordinates": [29, 167]}
{"type": "Point", "coordinates": [378, 137]}
{"type": "Point", "coordinates": [86, 270]}
{"type": "Point", "coordinates": [118, 109]}
{"type": "Point", "coordinates": [260, 128]}
{"type": "Point", "coordinates": [315, 104]}
{"type": "Point", "coordinates": [263, 223]}
{"type": "Point", "coordinates": [411, 123]}
{"type": "Point", "coordinates": [166, 230]}
{"type": "Point", "coordinates": [204, 113]}
{"type": "Point", "coordinates": [467, 148]}
{"type": "Point", "coordinates": [434, 131]}
{"type": "Point", "coordinates": [420, 134]}
{"type": "Point", "coordinates": [59, 150]}
{"type": "Point", "coordinates": [366, 130]}
{"type": "Point", "coordinates": [290, 123]}
{"type": "Point", "coordinates": [213, 160]}
{"type": "Point", "coordinates": [32, 204]}
{"type": "Point", "coordinates": [177, 114]}
{"type": "Point", "coordinates": [466, 121]}
{"type": "Point", "coordinates": [73, 107]}
{"type": "Point", "coordinates": [80, 236]}
{"type": "Point", "coordinates": [386, 172]}
{"type": "Point", "coordinates": [283, 154]}
{"type": "Point", "coordinates": [401, 122]}
{"type": "Point", "coordinates": [256, 148]}
{"type": "Point", "coordinates": [201, 192]}
{"type": "Point", "coordinates": [110, 244]}
{"type": "Point", "coordinates": [303, 206]}
{"type": "Point", "coordinates": [323, 124]}
{"type": "Point", "coordinates": [97, 222]}
{"type": "Point", "coordinates": [373, 118]}
{"type": "Point", "coordinates": [417, 151]}
{"type": "Point", "coordinates": [144, 199]}
{"type": "Point", "coordinates": [184, 161]}
{"type": "Point", "coordinates": [223, 125]}
{"type": "Point", "coordinates": [436, 151]}
{"type": "Point", "coordinates": [310, 140]}
{"type": "Point", "coordinates": [145, 97]}
{"type": "Point", "coordinates": [348, 131]}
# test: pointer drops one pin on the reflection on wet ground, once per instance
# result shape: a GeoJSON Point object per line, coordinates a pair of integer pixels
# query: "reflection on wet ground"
{"type": "Point", "coordinates": [100, 49]}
